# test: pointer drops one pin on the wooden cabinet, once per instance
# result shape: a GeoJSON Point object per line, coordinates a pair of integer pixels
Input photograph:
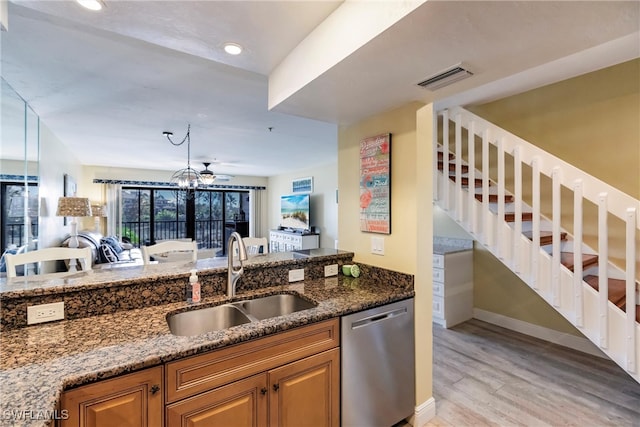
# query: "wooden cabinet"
{"type": "Point", "coordinates": [240, 404]}
{"type": "Point", "coordinates": [288, 379]}
{"type": "Point", "coordinates": [131, 400]}
{"type": "Point", "coordinates": [307, 392]}
{"type": "Point", "coordinates": [284, 241]}
{"type": "Point", "coordinates": [452, 288]}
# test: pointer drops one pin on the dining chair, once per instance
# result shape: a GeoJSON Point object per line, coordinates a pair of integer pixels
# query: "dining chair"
{"type": "Point", "coordinates": [166, 247]}
{"type": "Point", "coordinates": [83, 255]}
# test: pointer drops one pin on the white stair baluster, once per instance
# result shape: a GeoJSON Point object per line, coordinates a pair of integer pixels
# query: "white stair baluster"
{"type": "Point", "coordinates": [471, 133]}
{"type": "Point", "coordinates": [535, 227]}
{"type": "Point", "coordinates": [631, 290]}
{"type": "Point", "coordinates": [458, 153]}
{"type": "Point", "coordinates": [517, 233]}
{"type": "Point", "coordinates": [486, 215]}
{"type": "Point", "coordinates": [499, 241]}
{"type": "Point", "coordinates": [577, 252]}
{"type": "Point", "coordinates": [436, 177]}
{"type": "Point", "coordinates": [555, 262]}
{"type": "Point", "coordinates": [445, 160]}
{"type": "Point", "coordinates": [603, 274]}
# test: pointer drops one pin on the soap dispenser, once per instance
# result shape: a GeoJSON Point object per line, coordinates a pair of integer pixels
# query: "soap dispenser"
{"type": "Point", "coordinates": [193, 289]}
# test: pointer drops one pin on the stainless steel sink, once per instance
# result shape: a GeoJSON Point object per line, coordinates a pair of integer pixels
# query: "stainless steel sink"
{"type": "Point", "coordinates": [200, 321]}
{"type": "Point", "coordinates": [274, 305]}
{"type": "Point", "coordinates": [204, 320]}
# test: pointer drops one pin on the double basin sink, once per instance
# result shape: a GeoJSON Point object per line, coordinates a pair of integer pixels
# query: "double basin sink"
{"type": "Point", "coordinates": [225, 316]}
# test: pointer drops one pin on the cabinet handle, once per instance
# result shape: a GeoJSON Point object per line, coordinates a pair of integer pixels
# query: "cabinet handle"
{"type": "Point", "coordinates": [276, 387]}
{"type": "Point", "coordinates": [155, 388]}
{"type": "Point", "coordinates": [263, 391]}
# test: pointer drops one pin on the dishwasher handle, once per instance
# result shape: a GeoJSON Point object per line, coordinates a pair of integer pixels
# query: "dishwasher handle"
{"type": "Point", "coordinates": [378, 317]}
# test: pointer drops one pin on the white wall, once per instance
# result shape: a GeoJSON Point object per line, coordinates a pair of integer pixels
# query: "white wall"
{"type": "Point", "coordinates": [55, 161]}
{"type": "Point", "coordinates": [324, 209]}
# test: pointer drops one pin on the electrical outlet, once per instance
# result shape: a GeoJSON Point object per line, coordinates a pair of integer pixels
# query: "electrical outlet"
{"type": "Point", "coordinates": [296, 275]}
{"type": "Point", "coordinates": [45, 312]}
{"type": "Point", "coordinates": [331, 270]}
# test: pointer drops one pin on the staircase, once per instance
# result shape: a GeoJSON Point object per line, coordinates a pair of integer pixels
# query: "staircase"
{"type": "Point", "coordinates": [541, 239]}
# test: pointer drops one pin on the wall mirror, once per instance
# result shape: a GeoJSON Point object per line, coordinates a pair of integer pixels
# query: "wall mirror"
{"type": "Point", "coordinates": [19, 164]}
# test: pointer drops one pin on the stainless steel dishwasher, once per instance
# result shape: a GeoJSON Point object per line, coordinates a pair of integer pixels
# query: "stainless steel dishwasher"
{"type": "Point", "coordinates": [378, 366]}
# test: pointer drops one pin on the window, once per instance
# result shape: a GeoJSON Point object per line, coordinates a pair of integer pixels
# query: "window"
{"type": "Point", "coordinates": [13, 214]}
{"type": "Point", "coordinates": [204, 214]}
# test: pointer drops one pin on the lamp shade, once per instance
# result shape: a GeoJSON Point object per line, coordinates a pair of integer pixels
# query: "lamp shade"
{"type": "Point", "coordinates": [73, 206]}
{"type": "Point", "coordinates": [98, 210]}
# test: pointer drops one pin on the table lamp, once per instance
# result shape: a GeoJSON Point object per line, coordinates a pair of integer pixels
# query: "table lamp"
{"type": "Point", "coordinates": [98, 211]}
{"type": "Point", "coordinates": [73, 207]}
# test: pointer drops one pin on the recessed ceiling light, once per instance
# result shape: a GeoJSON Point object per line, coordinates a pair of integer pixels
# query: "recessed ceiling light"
{"type": "Point", "coordinates": [233, 48]}
{"type": "Point", "coordinates": [91, 4]}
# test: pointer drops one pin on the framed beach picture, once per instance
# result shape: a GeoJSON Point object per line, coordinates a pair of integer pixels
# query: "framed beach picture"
{"type": "Point", "coordinates": [302, 185]}
{"type": "Point", "coordinates": [375, 184]}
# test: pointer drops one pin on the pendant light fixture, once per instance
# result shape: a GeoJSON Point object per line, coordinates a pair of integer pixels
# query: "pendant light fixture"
{"type": "Point", "coordinates": [187, 178]}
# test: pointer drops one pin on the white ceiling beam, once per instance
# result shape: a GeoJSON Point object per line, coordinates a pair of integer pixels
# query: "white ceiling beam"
{"type": "Point", "coordinates": [348, 28]}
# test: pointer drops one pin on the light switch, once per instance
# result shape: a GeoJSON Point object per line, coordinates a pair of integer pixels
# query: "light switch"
{"type": "Point", "coordinates": [377, 245]}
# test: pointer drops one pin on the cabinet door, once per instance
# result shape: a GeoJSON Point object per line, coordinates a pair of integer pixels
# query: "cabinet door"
{"type": "Point", "coordinates": [306, 392]}
{"type": "Point", "coordinates": [132, 400]}
{"type": "Point", "coordinates": [240, 404]}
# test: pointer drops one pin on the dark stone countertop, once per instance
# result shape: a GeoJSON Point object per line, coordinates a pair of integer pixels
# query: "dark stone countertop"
{"type": "Point", "coordinates": [38, 362]}
{"type": "Point", "coordinates": [67, 282]}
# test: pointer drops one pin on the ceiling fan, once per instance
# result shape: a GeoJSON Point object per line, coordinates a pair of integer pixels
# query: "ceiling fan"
{"type": "Point", "coordinates": [208, 177]}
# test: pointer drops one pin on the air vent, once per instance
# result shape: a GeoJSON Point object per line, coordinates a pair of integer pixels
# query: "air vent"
{"type": "Point", "coordinates": [445, 78]}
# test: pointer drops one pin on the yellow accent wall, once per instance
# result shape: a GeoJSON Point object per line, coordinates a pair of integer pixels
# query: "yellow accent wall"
{"type": "Point", "coordinates": [400, 244]}
{"type": "Point", "coordinates": [591, 121]}
{"type": "Point", "coordinates": [408, 248]}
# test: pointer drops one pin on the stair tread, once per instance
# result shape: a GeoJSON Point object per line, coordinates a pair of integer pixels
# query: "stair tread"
{"type": "Point", "coordinates": [617, 292]}
{"type": "Point", "coordinates": [465, 180]}
{"type": "Point", "coordinates": [617, 288]}
{"type": "Point", "coordinates": [493, 198]}
{"type": "Point", "coordinates": [452, 167]}
{"type": "Point", "coordinates": [546, 237]}
{"type": "Point", "coordinates": [568, 260]}
{"type": "Point", "coordinates": [441, 155]}
{"type": "Point", "coordinates": [511, 216]}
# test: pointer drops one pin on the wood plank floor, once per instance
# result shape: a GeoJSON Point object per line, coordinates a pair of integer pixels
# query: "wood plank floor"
{"type": "Point", "coordinates": [485, 375]}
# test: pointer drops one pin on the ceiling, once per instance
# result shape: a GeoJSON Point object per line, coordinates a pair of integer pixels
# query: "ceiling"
{"type": "Point", "coordinates": [108, 84]}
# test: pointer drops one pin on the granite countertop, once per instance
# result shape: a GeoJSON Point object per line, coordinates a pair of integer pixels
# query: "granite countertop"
{"type": "Point", "coordinates": [103, 277]}
{"type": "Point", "coordinates": [39, 361]}
{"type": "Point", "coordinates": [448, 245]}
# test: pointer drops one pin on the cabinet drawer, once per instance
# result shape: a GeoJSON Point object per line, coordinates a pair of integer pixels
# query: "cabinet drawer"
{"type": "Point", "coordinates": [438, 261]}
{"type": "Point", "coordinates": [193, 375]}
{"type": "Point", "coordinates": [438, 289]}
{"type": "Point", "coordinates": [438, 275]}
{"type": "Point", "coordinates": [438, 307]}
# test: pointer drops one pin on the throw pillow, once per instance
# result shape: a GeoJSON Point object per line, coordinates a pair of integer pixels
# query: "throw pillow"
{"type": "Point", "coordinates": [107, 254]}
{"type": "Point", "coordinates": [113, 242]}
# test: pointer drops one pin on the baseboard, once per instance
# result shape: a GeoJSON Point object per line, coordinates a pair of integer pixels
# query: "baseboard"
{"type": "Point", "coordinates": [556, 337]}
{"type": "Point", "coordinates": [424, 413]}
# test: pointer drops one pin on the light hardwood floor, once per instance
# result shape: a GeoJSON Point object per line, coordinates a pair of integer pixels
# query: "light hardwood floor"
{"type": "Point", "coordinates": [485, 375]}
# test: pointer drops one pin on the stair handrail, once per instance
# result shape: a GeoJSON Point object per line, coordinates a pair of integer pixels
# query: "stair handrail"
{"type": "Point", "coordinates": [618, 201]}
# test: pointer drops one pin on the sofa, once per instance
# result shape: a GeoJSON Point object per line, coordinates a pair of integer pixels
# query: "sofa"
{"type": "Point", "coordinates": [107, 251]}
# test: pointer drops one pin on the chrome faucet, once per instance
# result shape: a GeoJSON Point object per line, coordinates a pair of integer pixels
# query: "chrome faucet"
{"type": "Point", "coordinates": [232, 274]}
